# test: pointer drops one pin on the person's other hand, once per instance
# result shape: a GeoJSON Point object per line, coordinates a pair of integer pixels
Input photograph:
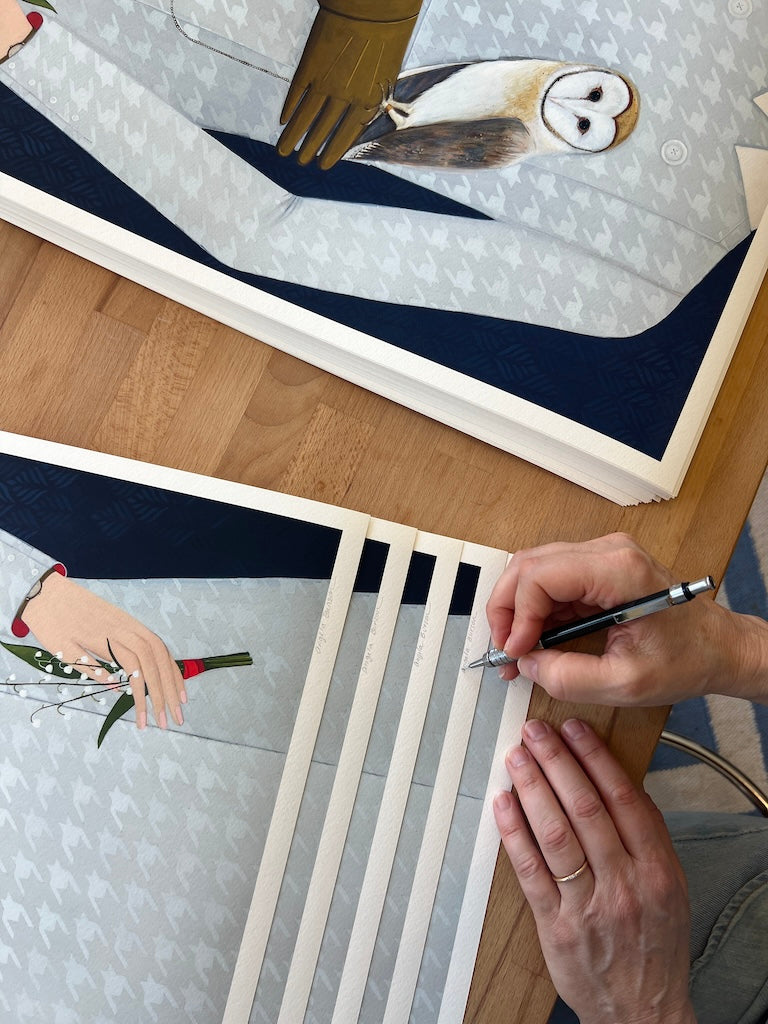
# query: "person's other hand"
{"type": "Point", "coordinates": [76, 624]}
{"type": "Point", "coordinates": [682, 652]}
{"type": "Point", "coordinates": [348, 66]}
{"type": "Point", "coordinates": [616, 936]}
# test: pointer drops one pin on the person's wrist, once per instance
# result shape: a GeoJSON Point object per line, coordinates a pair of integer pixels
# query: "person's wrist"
{"type": "Point", "coordinates": [681, 1014]}
{"type": "Point", "coordinates": [744, 643]}
{"type": "Point", "coordinates": [19, 624]}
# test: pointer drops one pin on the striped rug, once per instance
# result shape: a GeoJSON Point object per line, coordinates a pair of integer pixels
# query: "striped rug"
{"type": "Point", "coordinates": [736, 729]}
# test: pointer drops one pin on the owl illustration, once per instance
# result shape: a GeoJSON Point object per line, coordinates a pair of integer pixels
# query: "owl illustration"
{"type": "Point", "coordinates": [493, 113]}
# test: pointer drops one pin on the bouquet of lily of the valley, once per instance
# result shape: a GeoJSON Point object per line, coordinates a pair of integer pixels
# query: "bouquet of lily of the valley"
{"type": "Point", "coordinates": [51, 665]}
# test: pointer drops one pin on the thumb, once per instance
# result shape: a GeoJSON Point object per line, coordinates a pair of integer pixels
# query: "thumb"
{"type": "Point", "coordinates": [572, 676]}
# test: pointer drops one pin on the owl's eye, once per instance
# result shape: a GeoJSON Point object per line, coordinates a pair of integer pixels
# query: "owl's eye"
{"type": "Point", "coordinates": [583, 124]}
{"type": "Point", "coordinates": [595, 95]}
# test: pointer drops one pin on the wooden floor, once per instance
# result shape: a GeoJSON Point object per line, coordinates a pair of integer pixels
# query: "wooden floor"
{"type": "Point", "coordinates": [92, 360]}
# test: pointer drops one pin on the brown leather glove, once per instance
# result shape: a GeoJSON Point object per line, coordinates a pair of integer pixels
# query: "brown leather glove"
{"type": "Point", "coordinates": [350, 62]}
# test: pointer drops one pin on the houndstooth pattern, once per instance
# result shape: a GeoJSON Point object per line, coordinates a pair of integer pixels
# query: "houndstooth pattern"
{"type": "Point", "coordinates": [160, 834]}
{"type": "Point", "coordinates": [635, 233]}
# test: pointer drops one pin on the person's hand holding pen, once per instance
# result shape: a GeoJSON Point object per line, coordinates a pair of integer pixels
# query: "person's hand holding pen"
{"type": "Point", "coordinates": [692, 650]}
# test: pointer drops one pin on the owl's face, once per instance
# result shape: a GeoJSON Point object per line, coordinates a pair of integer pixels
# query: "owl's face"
{"type": "Point", "coordinates": [590, 109]}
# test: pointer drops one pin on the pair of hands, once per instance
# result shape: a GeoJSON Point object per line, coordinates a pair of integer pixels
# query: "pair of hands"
{"type": "Point", "coordinates": [616, 937]}
{"type": "Point", "coordinates": [76, 624]}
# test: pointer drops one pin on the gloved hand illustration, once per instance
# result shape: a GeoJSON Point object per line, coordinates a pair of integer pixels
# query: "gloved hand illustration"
{"type": "Point", "coordinates": [350, 62]}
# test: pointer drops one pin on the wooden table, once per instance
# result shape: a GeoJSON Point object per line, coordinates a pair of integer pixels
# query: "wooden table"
{"type": "Point", "coordinates": [90, 359]}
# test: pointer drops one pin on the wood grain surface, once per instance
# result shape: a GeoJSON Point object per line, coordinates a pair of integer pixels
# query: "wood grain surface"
{"type": "Point", "coordinates": [92, 360]}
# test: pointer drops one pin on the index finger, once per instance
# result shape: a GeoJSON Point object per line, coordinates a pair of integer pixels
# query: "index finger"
{"type": "Point", "coordinates": [527, 593]}
{"type": "Point", "coordinates": [300, 122]}
{"type": "Point", "coordinates": [165, 684]}
{"type": "Point", "coordinates": [323, 126]}
{"type": "Point", "coordinates": [597, 574]}
{"type": "Point", "coordinates": [296, 90]}
{"type": "Point", "coordinates": [345, 136]}
{"type": "Point", "coordinates": [562, 804]}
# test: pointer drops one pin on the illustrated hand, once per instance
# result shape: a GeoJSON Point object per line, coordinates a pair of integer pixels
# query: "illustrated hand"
{"type": "Point", "coordinates": [686, 651]}
{"type": "Point", "coordinates": [350, 62]}
{"type": "Point", "coordinates": [616, 937]}
{"type": "Point", "coordinates": [15, 28]}
{"type": "Point", "coordinates": [67, 618]}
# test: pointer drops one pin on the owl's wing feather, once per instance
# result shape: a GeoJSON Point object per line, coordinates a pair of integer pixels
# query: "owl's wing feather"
{"type": "Point", "coordinates": [409, 87]}
{"type": "Point", "coordinates": [412, 84]}
{"type": "Point", "coordinates": [462, 145]}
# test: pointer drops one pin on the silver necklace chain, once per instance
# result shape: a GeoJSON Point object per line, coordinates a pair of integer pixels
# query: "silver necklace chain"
{"type": "Point", "coordinates": [222, 53]}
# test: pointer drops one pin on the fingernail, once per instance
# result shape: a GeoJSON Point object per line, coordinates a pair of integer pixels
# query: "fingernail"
{"type": "Point", "coordinates": [183, 696]}
{"type": "Point", "coordinates": [573, 728]}
{"type": "Point", "coordinates": [162, 721]}
{"type": "Point", "coordinates": [518, 756]}
{"type": "Point", "coordinates": [535, 730]}
{"type": "Point", "coordinates": [502, 801]}
{"type": "Point", "coordinates": [529, 668]}
{"type": "Point", "coordinates": [179, 719]}
{"type": "Point", "coordinates": [141, 719]}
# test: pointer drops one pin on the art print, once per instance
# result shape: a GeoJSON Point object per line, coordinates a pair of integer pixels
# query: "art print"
{"type": "Point", "coordinates": [160, 831]}
{"type": "Point", "coordinates": [326, 796]}
{"type": "Point", "coordinates": [553, 204]}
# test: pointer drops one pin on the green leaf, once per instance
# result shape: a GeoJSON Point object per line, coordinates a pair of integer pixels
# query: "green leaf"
{"type": "Point", "coordinates": [41, 661]}
{"type": "Point", "coordinates": [42, 3]}
{"type": "Point", "coordinates": [39, 664]}
{"type": "Point", "coordinates": [123, 704]}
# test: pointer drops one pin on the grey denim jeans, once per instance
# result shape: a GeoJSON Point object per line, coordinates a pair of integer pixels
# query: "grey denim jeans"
{"type": "Point", "coordinates": [725, 859]}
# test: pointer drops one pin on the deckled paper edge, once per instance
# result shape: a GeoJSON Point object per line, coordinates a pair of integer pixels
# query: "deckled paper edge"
{"type": "Point", "coordinates": [306, 951]}
{"type": "Point", "coordinates": [441, 809]}
{"type": "Point", "coordinates": [392, 809]}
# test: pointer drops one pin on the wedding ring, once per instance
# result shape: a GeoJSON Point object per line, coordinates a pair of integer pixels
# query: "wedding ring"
{"type": "Point", "coordinates": [574, 874]}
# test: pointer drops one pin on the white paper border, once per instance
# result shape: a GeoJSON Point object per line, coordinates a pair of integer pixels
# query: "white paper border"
{"type": "Point", "coordinates": [522, 428]}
